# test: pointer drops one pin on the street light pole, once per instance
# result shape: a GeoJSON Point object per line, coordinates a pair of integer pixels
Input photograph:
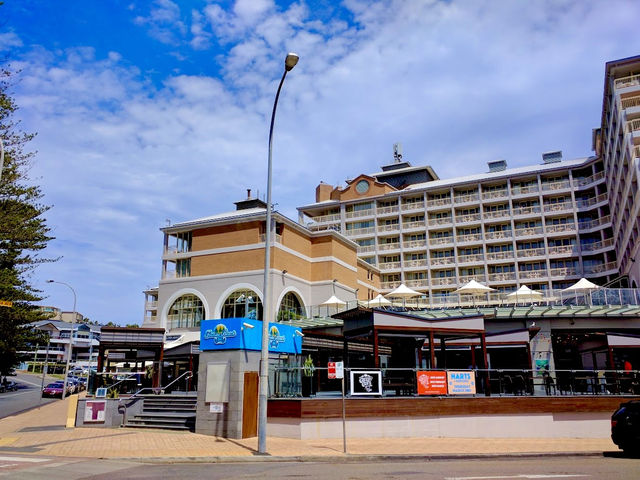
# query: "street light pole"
{"type": "Point", "coordinates": [289, 63]}
{"type": "Point", "coordinates": [73, 324]}
{"type": "Point", "coordinates": [1, 157]}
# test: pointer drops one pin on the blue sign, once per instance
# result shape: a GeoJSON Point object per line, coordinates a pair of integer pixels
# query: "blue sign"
{"type": "Point", "coordinates": [246, 334]}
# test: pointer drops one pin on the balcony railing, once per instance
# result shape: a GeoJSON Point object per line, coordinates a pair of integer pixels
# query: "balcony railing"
{"type": "Point", "coordinates": [390, 266]}
{"type": "Point", "coordinates": [473, 237]}
{"type": "Point", "coordinates": [602, 268]}
{"type": "Point", "coordinates": [630, 81]}
{"type": "Point", "coordinates": [390, 285]}
{"type": "Point", "coordinates": [388, 210]}
{"type": "Point", "coordinates": [563, 272]}
{"type": "Point", "coordinates": [525, 274]}
{"type": "Point", "coordinates": [502, 277]}
{"type": "Point", "coordinates": [498, 234]}
{"type": "Point", "coordinates": [558, 185]}
{"type": "Point", "coordinates": [442, 281]}
{"type": "Point", "coordinates": [590, 247]}
{"type": "Point", "coordinates": [494, 194]}
{"type": "Point", "coordinates": [439, 202]}
{"type": "Point", "coordinates": [588, 202]}
{"type": "Point", "coordinates": [440, 221]}
{"type": "Point", "coordinates": [636, 152]}
{"type": "Point", "coordinates": [630, 102]}
{"type": "Point", "coordinates": [525, 190]}
{"type": "Point", "coordinates": [581, 182]}
{"type": "Point", "coordinates": [437, 261]}
{"type": "Point", "coordinates": [326, 218]}
{"type": "Point", "coordinates": [415, 263]}
{"type": "Point", "coordinates": [390, 227]}
{"type": "Point", "coordinates": [413, 225]}
{"type": "Point", "coordinates": [473, 217]}
{"type": "Point", "coordinates": [360, 213]}
{"type": "Point", "coordinates": [383, 247]}
{"type": "Point", "coordinates": [412, 206]}
{"type": "Point", "coordinates": [632, 126]}
{"type": "Point", "coordinates": [528, 231]}
{"type": "Point", "coordinates": [497, 213]}
{"type": "Point", "coordinates": [563, 250]}
{"type": "Point", "coordinates": [478, 277]}
{"type": "Point", "coordinates": [476, 257]}
{"type": "Point", "coordinates": [414, 244]}
{"type": "Point", "coordinates": [527, 210]}
{"type": "Point", "coordinates": [561, 227]}
{"type": "Point", "coordinates": [440, 240]}
{"type": "Point", "coordinates": [474, 197]}
{"type": "Point", "coordinates": [530, 252]}
{"type": "Point", "coordinates": [151, 305]}
{"type": "Point", "coordinates": [590, 224]}
{"type": "Point", "coordinates": [360, 231]}
{"type": "Point", "coordinates": [366, 249]}
{"type": "Point", "coordinates": [417, 283]}
{"type": "Point", "coordinates": [557, 207]}
{"type": "Point", "coordinates": [507, 255]}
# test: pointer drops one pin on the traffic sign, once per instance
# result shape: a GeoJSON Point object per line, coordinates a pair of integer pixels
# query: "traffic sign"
{"type": "Point", "coordinates": [335, 370]}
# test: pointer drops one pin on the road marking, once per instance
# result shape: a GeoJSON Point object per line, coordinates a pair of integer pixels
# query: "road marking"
{"type": "Point", "coordinates": [24, 459]}
{"type": "Point", "coordinates": [522, 475]}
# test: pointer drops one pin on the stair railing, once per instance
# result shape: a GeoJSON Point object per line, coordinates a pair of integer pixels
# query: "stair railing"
{"type": "Point", "coordinates": [125, 403]}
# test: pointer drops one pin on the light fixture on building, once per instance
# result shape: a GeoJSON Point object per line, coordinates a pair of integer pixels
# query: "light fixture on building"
{"type": "Point", "coordinates": [247, 325]}
{"type": "Point", "coordinates": [299, 333]}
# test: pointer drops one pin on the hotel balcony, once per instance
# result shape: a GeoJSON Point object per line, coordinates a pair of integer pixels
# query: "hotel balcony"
{"type": "Point", "coordinates": [560, 228]}
{"type": "Point", "coordinates": [502, 234]}
{"type": "Point", "coordinates": [334, 218]}
{"type": "Point", "coordinates": [435, 241]}
{"type": "Point", "coordinates": [535, 210]}
{"type": "Point", "coordinates": [471, 218]}
{"type": "Point", "coordinates": [636, 151]}
{"type": "Point", "coordinates": [473, 198]}
{"type": "Point", "coordinates": [391, 227]}
{"type": "Point", "coordinates": [588, 181]}
{"type": "Point", "coordinates": [420, 225]}
{"type": "Point", "coordinates": [564, 272]}
{"type": "Point", "coordinates": [631, 102]}
{"type": "Point", "coordinates": [625, 82]}
{"type": "Point", "coordinates": [172, 253]}
{"type": "Point", "coordinates": [443, 281]}
{"type": "Point", "coordinates": [387, 210]}
{"type": "Point", "coordinates": [474, 258]}
{"type": "Point", "coordinates": [564, 250]}
{"type": "Point", "coordinates": [366, 249]}
{"type": "Point", "coordinates": [605, 268]}
{"type": "Point", "coordinates": [633, 127]}
{"type": "Point", "coordinates": [433, 222]}
{"type": "Point", "coordinates": [594, 224]}
{"type": "Point", "coordinates": [497, 214]}
{"type": "Point", "coordinates": [439, 202]}
{"type": "Point", "coordinates": [405, 207]}
{"type": "Point", "coordinates": [151, 305]}
{"type": "Point", "coordinates": [530, 252]}
{"type": "Point", "coordinates": [385, 247]}
{"type": "Point", "coordinates": [498, 256]}
{"type": "Point", "coordinates": [553, 186]}
{"type": "Point", "coordinates": [471, 238]}
{"type": "Point", "coordinates": [355, 232]}
{"type": "Point", "coordinates": [390, 266]}
{"type": "Point", "coordinates": [558, 207]}
{"type": "Point", "coordinates": [390, 285]}
{"type": "Point", "coordinates": [502, 277]}
{"type": "Point", "coordinates": [478, 277]}
{"type": "Point", "coordinates": [528, 190]}
{"type": "Point", "coordinates": [417, 283]}
{"type": "Point", "coordinates": [421, 263]}
{"type": "Point", "coordinates": [370, 212]}
{"type": "Point", "coordinates": [592, 202]}
{"type": "Point", "coordinates": [494, 194]}
{"type": "Point", "coordinates": [532, 274]}
{"type": "Point", "coordinates": [411, 244]}
{"type": "Point", "coordinates": [529, 231]}
{"type": "Point", "coordinates": [442, 261]}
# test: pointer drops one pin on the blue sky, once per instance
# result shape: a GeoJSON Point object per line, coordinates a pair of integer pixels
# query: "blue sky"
{"type": "Point", "coordinates": [148, 111]}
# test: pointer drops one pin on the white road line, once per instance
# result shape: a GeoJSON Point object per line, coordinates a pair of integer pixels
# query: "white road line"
{"type": "Point", "coordinates": [523, 475]}
{"type": "Point", "coordinates": [24, 459]}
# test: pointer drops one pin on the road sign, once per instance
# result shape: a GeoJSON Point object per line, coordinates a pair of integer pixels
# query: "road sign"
{"type": "Point", "coordinates": [335, 370]}
{"type": "Point", "coordinates": [6, 303]}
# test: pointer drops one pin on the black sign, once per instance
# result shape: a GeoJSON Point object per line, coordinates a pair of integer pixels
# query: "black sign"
{"type": "Point", "coordinates": [366, 382]}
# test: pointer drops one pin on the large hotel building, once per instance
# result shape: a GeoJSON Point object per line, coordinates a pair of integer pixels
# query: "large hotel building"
{"type": "Point", "coordinates": [544, 226]}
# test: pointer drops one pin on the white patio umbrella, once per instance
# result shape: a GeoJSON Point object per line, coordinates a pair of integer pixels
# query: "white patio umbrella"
{"type": "Point", "coordinates": [474, 288]}
{"type": "Point", "coordinates": [403, 292]}
{"type": "Point", "coordinates": [333, 301]}
{"type": "Point", "coordinates": [379, 301]}
{"type": "Point", "coordinates": [525, 295]}
{"type": "Point", "coordinates": [584, 286]}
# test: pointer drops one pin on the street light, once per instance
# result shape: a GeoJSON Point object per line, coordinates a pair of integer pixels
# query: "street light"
{"type": "Point", "coordinates": [73, 324]}
{"type": "Point", "coordinates": [289, 63]}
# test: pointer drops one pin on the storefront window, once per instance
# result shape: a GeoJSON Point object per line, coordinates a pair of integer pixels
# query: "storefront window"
{"type": "Point", "coordinates": [243, 303]}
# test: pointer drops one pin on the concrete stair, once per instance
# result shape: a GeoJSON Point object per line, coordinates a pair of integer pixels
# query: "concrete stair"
{"type": "Point", "coordinates": [168, 412]}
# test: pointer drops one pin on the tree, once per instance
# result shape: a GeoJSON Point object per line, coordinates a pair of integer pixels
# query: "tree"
{"type": "Point", "coordinates": [23, 234]}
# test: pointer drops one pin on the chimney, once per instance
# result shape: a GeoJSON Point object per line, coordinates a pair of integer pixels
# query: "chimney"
{"type": "Point", "coordinates": [248, 193]}
{"type": "Point", "coordinates": [323, 192]}
{"type": "Point", "coordinates": [552, 157]}
{"type": "Point", "coordinates": [497, 166]}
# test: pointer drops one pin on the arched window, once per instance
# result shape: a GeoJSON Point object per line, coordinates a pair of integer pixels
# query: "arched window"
{"type": "Point", "coordinates": [186, 311]}
{"type": "Point", "coordinates": [243, 303]}
{"type": "Point", "coordinates": [290, 308]}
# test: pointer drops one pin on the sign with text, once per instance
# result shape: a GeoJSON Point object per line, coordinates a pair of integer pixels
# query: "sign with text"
{"type": "Point", "coordinates": [246, 334]}
{"type": "Point", "coordinates": [432, 382]}
{"type": "Point", "coordinates": [335, 370]}
{"type": "Point", "coordinates": [6, 303]}
{"type": "Point", "coordinates": [461, 382]}
{"type": "Point", "coordinates": [366, 382]}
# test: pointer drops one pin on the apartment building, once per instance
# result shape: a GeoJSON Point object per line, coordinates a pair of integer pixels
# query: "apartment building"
{"type": "Point", "coordinates": [213, 267]}
{"type": "Point", "coordinates": [543, 226]}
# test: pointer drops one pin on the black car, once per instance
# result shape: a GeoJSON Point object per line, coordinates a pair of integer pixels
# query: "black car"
{"type": "Point", "coordinates": [625, 427]}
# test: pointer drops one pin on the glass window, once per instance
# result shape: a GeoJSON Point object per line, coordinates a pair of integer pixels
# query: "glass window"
{"type": "Point", "coordinates": [242, 303]}
{"type": "Point", "coordinates": [290, 308]}
{"type": "Point", "coordinates": [187, 311]}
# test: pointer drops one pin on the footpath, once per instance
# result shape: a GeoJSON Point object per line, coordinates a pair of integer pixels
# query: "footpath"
{"type": "Point", "coordinates": [42, 432]}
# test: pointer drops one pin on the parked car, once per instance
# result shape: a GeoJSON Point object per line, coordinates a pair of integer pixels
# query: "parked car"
{"type": "Point", "coordinates": [625, 427]}
{"type": "Point", "coordinates": [73, 384]}
{"type": "Point", "coordinates": [54, 389]}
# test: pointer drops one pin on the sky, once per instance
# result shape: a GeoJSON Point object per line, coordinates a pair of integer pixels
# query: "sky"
{"type": "Point", "coordinates": [157, 111]}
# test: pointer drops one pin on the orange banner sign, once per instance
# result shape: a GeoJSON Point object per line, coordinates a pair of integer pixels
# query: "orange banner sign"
{"type": "Point", "coordinates": [432, 383]}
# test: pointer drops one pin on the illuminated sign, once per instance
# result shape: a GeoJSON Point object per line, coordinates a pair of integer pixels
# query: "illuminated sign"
{"type": "Point", "coordinates": [219, 334]}
{"type": "Point", "coordinates": [246, 334]}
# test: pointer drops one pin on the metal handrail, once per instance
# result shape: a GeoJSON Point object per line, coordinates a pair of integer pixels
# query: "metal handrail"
{"type": "Point", "coordinates": [157, 390]}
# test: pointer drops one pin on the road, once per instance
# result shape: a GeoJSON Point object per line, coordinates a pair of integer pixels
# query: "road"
{"type": "Point", "coordinates": [579, 468]}
{"type": "Point", "coordinates": [26, 397]}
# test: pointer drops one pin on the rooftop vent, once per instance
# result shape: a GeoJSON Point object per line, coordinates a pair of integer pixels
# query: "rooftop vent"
{"type": "Point", "coordinates": [497, 166]}
{"type": "Point", "coordinates": [552, 157]}
{"type": "Point", "coordinates": [250, 202]}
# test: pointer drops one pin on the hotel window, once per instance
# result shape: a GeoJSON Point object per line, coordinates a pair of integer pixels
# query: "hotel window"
{"type": "Point", "coordinates": [559, 221]}
{"type": "Point", "coordinates": [365, 242]}
{"type": "Point", "coordinates": [186, 312]}
{"type": "Point", "coordinates": [497, 228]}
{"type": "Point", "coordinates": [444, 274]}
{"type": "Point", "coordinates": [411, 200]}
{"type": "Point", "coordinates": [358, 207]}
{"type": "Point", "coordinates": [561, 242]}
{"type": "Point", "coordinates": [496, 208]}
{"type": "Point", "coordinates": [529, 245]}
{"type": "Point", "coordinates": [290, 308]}
{"type": "Point", "coordinates": [441, 253]}
{"type": "Point", "coordinates": [417, 236]}
{"type": "Point", "coordinates": [183, 267]}
{"type": "Point", "coordinates": [527, 267]}
{"type": "Point", "coordinates": [183, 241]}
{"type": "Point", "coordinates": [470, 251]}
{"type": "Point", "coordinates": [414, 256]}
{"type": "Point", "coordinates": [500, 248]}
{"type": "Point", "coordinates": [242, 303]}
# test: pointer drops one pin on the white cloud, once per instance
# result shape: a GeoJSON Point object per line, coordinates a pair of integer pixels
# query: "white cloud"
{"type": "Point", "coordinates": [9, 40]}
{"type": "Point", "coordinates": [164, 22]}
